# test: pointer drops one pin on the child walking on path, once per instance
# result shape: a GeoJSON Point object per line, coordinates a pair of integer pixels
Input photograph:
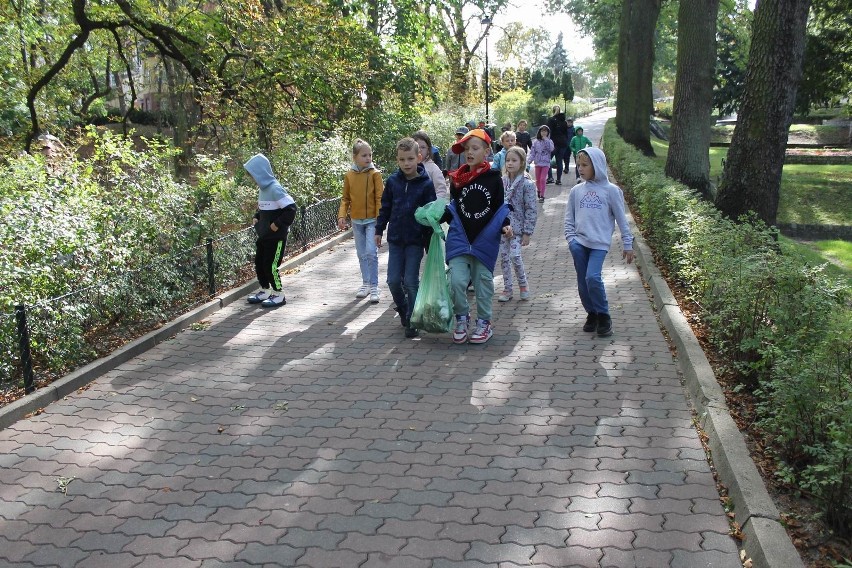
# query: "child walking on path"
{"type": "Point", "coordinates": [477, 215]}
{"type": "Point", "coordinates": [520, 195]}
{"type": "Point", "coordinates": [542, 148]}
{"type": "Point", "coordinates": [594, 207]}
{"type": "Point", "coordinates": [433, 170]}
{"type": "Point", "coordinates": [276, 211]}
{"type": "Point", "coordinates": [406, 190]}
{"type": "Point", "coordinates": [362, 197]}
{"type": "Point", "coordinates": [578, 142]}
{"type": "Point", "coordinates": [507, 140]}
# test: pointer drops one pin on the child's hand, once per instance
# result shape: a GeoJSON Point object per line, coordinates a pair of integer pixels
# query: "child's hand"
{"type": "Point", "coordinates": [273, 227]}
{"type": "Point", "coordinates": [341, 224]}
{"type": "Point", "coordinates": [525, 240]}
{"type": "Point", "coordinates": [253, 221]}
{"type": "Point", "coordinates": [507, 230]}
{"type": "Point", "coordinates": [628, 255]}
{"type": "Point", "coordinates": [378, 241]}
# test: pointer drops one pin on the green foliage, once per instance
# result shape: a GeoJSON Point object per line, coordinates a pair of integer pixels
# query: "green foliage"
{"type": "Point", "coordinates": [814, 434]}
{"type": "Point", "coordinates": [734, 41]}
{"type": "Point", "coordinates": [442, 123]}
{"type": "Point", "coordinates": [310, 167]}
{"type": "Point", "coordinates": [786, 325]}
{"type": "Point", "coordinates": [827, 66]}
{"type": "Point", "coordinates": [513, 106]}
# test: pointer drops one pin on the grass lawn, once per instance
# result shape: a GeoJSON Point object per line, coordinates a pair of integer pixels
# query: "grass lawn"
{"type": "Point", "coordinates": [810, 194]}
{"type": "Point", "coordinates": [838, 255]}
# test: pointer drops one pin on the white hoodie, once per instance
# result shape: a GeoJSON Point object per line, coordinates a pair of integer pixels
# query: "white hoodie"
{"type": "Point", "coordinates": [594, 207]}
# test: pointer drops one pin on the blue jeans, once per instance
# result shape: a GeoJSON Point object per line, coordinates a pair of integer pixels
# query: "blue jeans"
{"type": "Point", "coordinates": [559, 156]}
{"type": "Point", "coordinates": [589, 264]}
{"type": "Point", "coordinates": [368, 254]}
{"type": "Point", "coordinates": [465, 269]}
{"type": "Point", "coordinates": [404, 276]}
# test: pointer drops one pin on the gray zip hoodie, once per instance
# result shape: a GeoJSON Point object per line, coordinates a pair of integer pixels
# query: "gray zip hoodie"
{"type": "Point", "coordinates": [594, 207]}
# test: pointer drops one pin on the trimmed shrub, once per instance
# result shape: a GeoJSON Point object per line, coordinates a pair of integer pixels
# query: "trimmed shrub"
{"type": "Point", "coordinates": [785, 325]}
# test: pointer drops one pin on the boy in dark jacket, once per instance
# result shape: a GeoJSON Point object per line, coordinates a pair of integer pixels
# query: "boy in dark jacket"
{"type": "Point", "coordinates": [276, 211]}
{"type": "Point", "coordinates": [478, 216]}
{"type": "Point", "coordinates": [407, 189]}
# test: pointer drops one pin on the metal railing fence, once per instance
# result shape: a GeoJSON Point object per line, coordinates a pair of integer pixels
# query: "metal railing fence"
{"type": "Point", "coordinates": [42, 341]}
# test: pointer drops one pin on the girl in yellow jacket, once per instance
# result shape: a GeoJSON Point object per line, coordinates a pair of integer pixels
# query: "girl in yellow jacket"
{"type": "Point", "coordinates": [362, 198]}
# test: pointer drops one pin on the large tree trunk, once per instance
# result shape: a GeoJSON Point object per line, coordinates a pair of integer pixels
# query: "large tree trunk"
{"type": "Point", "coordinates": [752, 175]}
{"type": "Point", "coordinates": [689, 142]}
{"type": "Point", "coordinates": [636, 71]}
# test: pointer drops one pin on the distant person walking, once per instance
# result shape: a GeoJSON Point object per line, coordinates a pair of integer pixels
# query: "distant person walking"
{"type": "Point", "coordinates": [559, 134]}
{"type": "Point", "coordinates": [542, 147]}
{"type": "Point", "coordinates": [578, 142]}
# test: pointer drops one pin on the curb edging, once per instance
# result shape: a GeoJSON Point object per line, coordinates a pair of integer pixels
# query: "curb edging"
{"type": "Point", "coordinates": [79, 378]}
{"type": "Point", "coordinates": [766, 542]}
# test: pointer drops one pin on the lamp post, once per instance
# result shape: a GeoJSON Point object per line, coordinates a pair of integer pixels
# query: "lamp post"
{"type": "Point", "coordinates": [486, 21]}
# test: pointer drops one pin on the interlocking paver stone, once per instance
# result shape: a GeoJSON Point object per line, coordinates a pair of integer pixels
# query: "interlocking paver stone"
{"type": "Point", "coordinates": [546, 447]}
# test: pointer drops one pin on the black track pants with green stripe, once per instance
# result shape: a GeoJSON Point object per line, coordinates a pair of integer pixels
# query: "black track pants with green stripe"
{"type": "Point", "coordinates": [267, 259]}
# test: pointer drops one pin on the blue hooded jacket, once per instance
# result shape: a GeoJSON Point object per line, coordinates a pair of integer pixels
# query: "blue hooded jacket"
{"type": "Point", "coordinates": [485, 246]}
{"type": "Point", "coordinates": [400, 199]}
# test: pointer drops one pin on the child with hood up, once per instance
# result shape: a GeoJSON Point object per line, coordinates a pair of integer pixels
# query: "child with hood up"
{"type": "Point", "coordinates": [594, 207]}
{"type": "Point", "coordinates": [276, 211]}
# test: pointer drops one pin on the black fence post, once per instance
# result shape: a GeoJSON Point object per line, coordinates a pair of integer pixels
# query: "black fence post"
{"type": "Point", "coordinates": [304, 229]}
{"type": "Point", "coordinates": [26, 357]}
{"type": "Point", "coordinates": [211, 276]}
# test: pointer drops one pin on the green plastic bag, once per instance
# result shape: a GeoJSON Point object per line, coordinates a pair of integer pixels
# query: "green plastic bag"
{"type": "Point", "coordinates": [433, 309]}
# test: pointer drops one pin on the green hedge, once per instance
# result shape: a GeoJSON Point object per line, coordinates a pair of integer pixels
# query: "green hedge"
{"type": "Point", "coordinates": [783, 324]}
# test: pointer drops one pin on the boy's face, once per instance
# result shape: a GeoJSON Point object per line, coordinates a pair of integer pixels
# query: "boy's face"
{"type": "Point", "coordinates": [522, 127]}
{"type": "Point", "coordinates": [475, 151]}
{"type": "Point", "coordinates": [364, 157]}
{"type": "Point", "coordinates": [407, 161]}
{"type": "Point", "coordinates": [508, 142]}
{"type": "Point", "coordinates": [585, 167]}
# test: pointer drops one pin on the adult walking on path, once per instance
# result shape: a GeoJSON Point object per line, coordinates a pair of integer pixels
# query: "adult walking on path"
{"type": "Point", "coordinates": [559, 134]}
{"type": "Point", "coordinates": [321, 440]}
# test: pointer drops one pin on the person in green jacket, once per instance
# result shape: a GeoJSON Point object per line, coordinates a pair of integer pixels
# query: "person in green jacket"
{"type": "Point", "coordinates": [578, 142]}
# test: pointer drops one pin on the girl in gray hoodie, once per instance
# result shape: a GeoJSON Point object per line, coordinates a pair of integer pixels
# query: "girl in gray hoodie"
{"type": "Point", "coordinates": [594, 207]}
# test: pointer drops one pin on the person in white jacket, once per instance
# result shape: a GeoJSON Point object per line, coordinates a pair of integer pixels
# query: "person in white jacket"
{"type": "Point", "coordinates": [594, 207]}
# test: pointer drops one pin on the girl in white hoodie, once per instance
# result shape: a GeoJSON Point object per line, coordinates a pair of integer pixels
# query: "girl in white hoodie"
{"type": "Point", "coordinates": [594, 207]}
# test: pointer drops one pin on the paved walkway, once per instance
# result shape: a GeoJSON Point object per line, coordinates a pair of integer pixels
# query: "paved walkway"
{"type": "Point", "coordinates": [316, 435]}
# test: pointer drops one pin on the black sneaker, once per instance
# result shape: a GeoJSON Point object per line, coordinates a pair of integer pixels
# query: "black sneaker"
{"type": "Point", "coordinates": [402, 319]}
{"type": "Point", "coordinates": [549, 180]}
{"type": "Point", "coordinates": [604, 325]}
{"type": "Point", "coordinates": [558, 182]}
{"type": "Point", "coordinates": [591, 322]}
{"type": "Point", "coordinates": [411, 332]}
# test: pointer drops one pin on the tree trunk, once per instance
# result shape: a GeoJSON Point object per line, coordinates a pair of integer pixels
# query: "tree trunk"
{"type": "Point", "coordinates": [752, 174]}
{"type": "Point", "coordinates": [636, 71]}
{"type": "Point", "coordinates": [689, 142]}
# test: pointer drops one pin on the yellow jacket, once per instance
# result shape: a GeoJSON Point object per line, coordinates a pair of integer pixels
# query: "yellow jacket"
{"type": "Point", "coordinates": [362, 194]}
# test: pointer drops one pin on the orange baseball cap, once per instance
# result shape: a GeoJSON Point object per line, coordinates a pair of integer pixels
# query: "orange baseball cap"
{"type": "Point", "coordinates": [458, 147]}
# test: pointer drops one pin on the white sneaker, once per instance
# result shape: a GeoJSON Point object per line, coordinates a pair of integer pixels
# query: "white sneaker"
{"type": "Point", "coordinates": [258, 296]}
{"type": "Point", "coordinates": [362, 292]}
{"type": "Point", "coordinates": [525, 293]}
{"type": "Point", "coordinates": [460, 331]}
{"type": "Point", "coordinates": [374, 296]}
{"type": "Point", "coordinates": [482, 333]}
{"type": "Point", "coordinates": [274, 300]}
{"type": "Point", "coordinates": [505, 296]}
